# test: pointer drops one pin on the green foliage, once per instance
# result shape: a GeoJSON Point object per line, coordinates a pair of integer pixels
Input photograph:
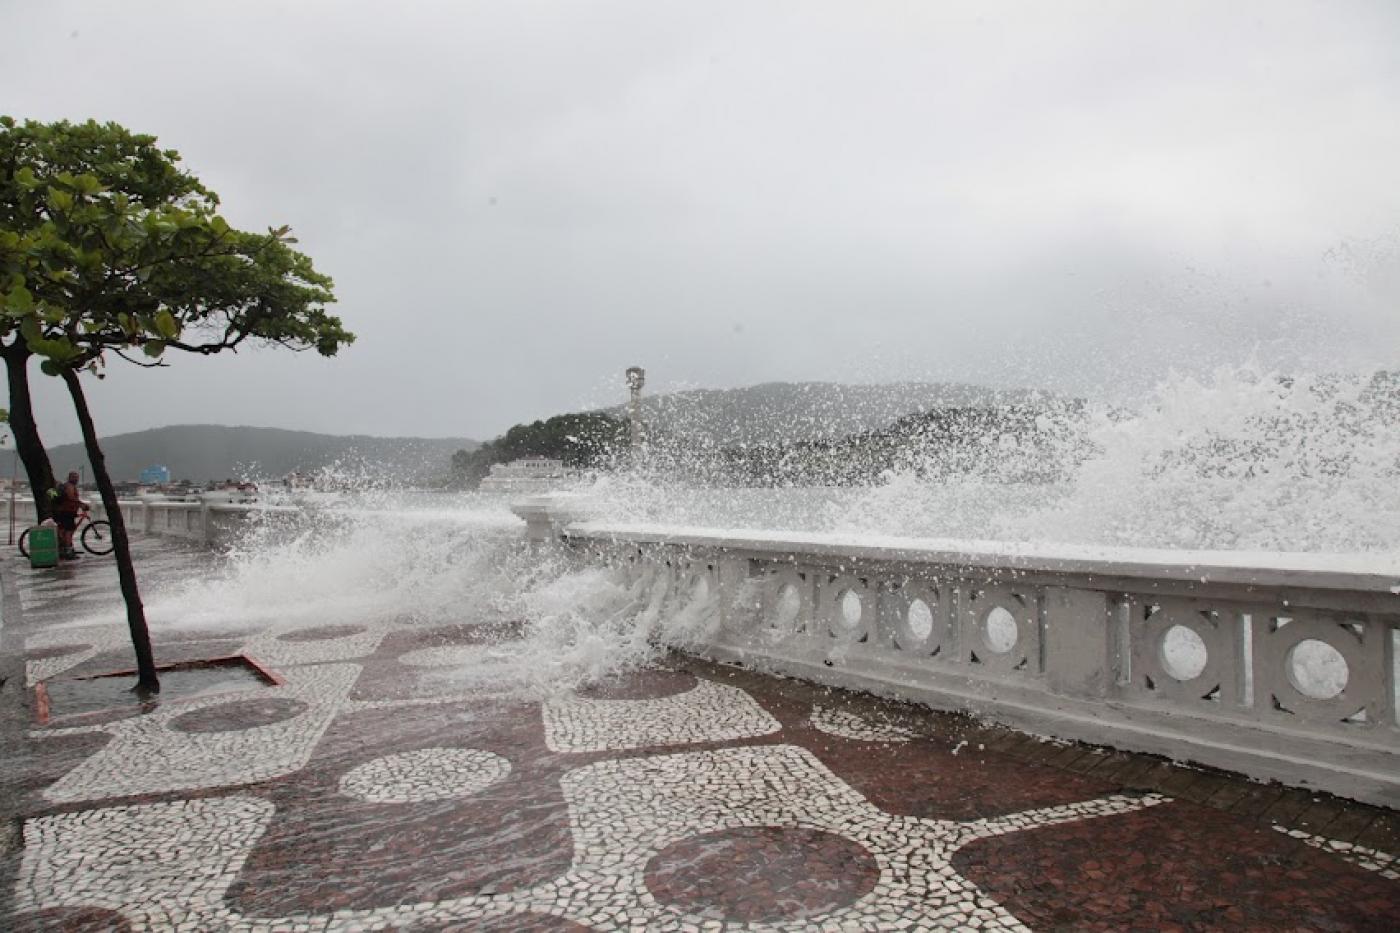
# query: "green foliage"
{"type": "Point", "coordinates": [107, 244]}
{"type": "Point", "coordinates": [584, 440]}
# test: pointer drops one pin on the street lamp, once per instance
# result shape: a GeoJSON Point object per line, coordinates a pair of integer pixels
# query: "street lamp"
{"type": "Point", "coordinates": [636, 378]}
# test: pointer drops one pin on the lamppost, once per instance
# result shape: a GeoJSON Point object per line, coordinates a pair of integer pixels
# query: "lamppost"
{"type": "Point", "coordinates": [636, 378]}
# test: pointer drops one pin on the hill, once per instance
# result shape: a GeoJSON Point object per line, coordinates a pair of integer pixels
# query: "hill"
{"type": "Point", "coordinates": [795, 412]}
{"type": "Point", "coordinates": [202, 452]}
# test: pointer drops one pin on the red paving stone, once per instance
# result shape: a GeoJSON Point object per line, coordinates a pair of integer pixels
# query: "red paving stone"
{"type": "Point", "coordinates": [762, 874]}
{"type": "Point", "coordinates": [351, 854]}
{"type": "Point", "coordinates": [640, 685]}
{"type": "Point", "coordinates": [69, 920]}
{"type": "Point", "coordinates": [239, 715]}
{"type": "Point", "coordinates": [1176, 866]}
{"type": "Point", "coordinates": [320, 633]}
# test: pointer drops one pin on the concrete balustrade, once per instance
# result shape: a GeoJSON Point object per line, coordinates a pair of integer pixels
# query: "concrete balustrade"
{"type": "Point", "coordinates": [212, 520]}
{"type": "Point", "coordinates": [1279, 671]}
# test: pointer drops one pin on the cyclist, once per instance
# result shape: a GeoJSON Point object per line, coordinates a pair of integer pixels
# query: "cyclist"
{"type": "Point", "coordinates": [65, 514]}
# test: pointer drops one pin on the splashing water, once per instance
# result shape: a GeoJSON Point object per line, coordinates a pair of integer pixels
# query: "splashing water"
{"type": "Point", "coordinates": [427, 561]}
{"type": "Point", "coordinates": [1243, 460]}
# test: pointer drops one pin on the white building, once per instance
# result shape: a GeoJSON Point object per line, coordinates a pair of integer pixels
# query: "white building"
{"type": "Point", "coordinates": [529, 474]}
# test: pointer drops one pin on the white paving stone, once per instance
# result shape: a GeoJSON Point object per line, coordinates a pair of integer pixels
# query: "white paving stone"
{"type": "Point", "coordinates": [155, 863]}
{"type": "Point", "coordinates": [272, 650]}
{"type": "Point", "coordinates": [850, 726]}
{"type": "Point", "coordinates": [709, 712]}
{"type": "Point", "coordinates": [1384, 864]}
{"type": "Point", "coordinates": [147, 756]}
{"type": "Point", "coordinates": [98, 638]}
{"type": "Point", "coordinates": [425, 774]}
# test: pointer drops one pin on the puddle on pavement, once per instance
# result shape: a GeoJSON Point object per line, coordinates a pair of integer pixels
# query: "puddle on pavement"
{"type": "Point", "coordinates": [76, 697]}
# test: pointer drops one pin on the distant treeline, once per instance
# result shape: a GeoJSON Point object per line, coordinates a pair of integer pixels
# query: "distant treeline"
{"type": "Point", "coordinates": [582, 440]}
{"type": "Point", "coordinates": [1008, 443]}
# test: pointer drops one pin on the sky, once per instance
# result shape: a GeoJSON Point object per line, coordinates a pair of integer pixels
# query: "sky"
{"type": "Point", "coordinates": [517, 200]}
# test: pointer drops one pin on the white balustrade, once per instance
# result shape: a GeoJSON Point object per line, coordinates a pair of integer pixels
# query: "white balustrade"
{"type": "Point", "coordinates": [211, 520]}
{"type": "Point", "coordinates": [1283, 671]}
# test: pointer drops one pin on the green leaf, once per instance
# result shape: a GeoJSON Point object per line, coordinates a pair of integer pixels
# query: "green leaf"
{"type": "Point", "coordinates": [20, 300]}
{"type": "Point", "coordinates": [50, 368]}
{"type": "Point", "coordinates": [166, 326]}
{"type": "Point", "coordinates": [154, 348]}
{"type": "Point", "coordinates": [25, 178]}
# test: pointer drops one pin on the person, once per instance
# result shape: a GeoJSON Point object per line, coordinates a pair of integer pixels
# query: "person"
{"type": "Point", "coordinates": [65, 515]}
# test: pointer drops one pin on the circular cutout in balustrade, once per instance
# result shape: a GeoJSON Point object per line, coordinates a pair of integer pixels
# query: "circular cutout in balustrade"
{"type": "Point", "coordinates": [239, 715]}
{"type": "Point", "coordinates": [920, 619]}
{"type": "Point", "coordinates": [321, 633]}
{"type": "Point", "coordinates": [639, 685]}
{"type": "Point", "coordinates": [999, 630]}
{"type": "Point", "coordinates": [762, 874]}
{"type": "Point", "coordinates": [1184, 655]}
{"type": "Point", "coordinates": [850, 610]}
{"type": "Point", "coordinates": [1317, 670]}
{"type": "Point", "coordinates": [788, 605]}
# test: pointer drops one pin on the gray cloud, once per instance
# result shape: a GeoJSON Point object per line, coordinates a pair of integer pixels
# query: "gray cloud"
{"type": "Point", "coordinates": [519, 199]}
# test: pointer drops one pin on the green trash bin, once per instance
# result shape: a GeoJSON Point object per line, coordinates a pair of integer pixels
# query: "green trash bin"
{"type": "Point", "coordinates": [43, 546]}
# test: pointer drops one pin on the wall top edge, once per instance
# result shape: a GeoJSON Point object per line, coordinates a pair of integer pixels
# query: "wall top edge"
{"type": "Point", "coordinates": [1365, 572]}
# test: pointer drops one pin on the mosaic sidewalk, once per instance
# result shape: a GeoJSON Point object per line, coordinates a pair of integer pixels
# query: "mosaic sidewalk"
{"type": "Point", "coordinates": [362, 792]}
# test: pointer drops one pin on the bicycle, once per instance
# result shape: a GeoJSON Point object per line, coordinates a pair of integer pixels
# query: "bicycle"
{"type": "Point", "coordinates": [96, 536]}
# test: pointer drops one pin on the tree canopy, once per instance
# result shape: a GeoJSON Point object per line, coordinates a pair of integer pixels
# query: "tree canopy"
{"type": "Point", "coordinates": [107, 244]}
{"type": "Point", "coordinates": [580, 439]}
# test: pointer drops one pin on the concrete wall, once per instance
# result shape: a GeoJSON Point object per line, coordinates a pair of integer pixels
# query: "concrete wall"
{"type": "Point", "coordinates": [212, 521]}
{"type": "Point", "coordinates": [1055, 646]}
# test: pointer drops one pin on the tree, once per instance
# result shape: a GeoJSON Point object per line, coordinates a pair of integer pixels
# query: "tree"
{"type": "Point", "coordinates": [580, 439]}
{"type": "Point", "coordinates": [109, 248]}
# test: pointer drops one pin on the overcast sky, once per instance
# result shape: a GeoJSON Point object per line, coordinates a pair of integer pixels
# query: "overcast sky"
{"type": "Point", "coordinates": [519, 199]}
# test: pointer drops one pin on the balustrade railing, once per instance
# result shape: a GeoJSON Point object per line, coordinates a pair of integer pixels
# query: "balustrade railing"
{"type": "Point", "coordinates": [1282, 670]}
{"type": "Point", "coordinates": [212, 520]}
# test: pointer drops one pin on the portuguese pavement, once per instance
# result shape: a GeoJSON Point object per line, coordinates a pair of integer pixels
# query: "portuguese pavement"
{"type": "Point", "coordinates": [363, 790]}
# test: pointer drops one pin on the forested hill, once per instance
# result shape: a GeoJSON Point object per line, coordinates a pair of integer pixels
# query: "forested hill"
{"type": "Point", "coordinates": [798, 412]}
{"type": "Point", "coordinates": [200, 452]}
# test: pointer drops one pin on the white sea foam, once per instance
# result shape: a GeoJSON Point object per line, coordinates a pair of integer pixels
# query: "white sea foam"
{"type": "Point", "coordinates": [1244, 467]}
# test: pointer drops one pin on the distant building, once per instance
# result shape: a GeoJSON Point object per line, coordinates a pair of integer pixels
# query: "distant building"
{"type": "Point", "coordinates": [528, 474]}
{"type": "Point", "coordinates": [155, 475]}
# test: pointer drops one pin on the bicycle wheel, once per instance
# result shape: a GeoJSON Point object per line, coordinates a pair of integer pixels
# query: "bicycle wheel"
{"type": "Point", "coordinates": [97, 538]}
{"type": "Point", "coordinates": [24, 542]}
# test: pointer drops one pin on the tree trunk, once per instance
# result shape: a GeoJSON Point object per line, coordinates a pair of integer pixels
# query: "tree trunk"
{"type": "Point", "coordinates": [126, 573]}
{"type": "Point", "coordinates": [28, 447]}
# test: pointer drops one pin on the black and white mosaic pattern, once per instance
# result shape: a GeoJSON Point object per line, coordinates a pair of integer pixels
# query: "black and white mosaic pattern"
{"type": "Point", "coordinates": [148, 756]}
{"type": "Point", "coordinates": [1383, 863]}
{"type": "Point", "coordinates": [88, 641]}
{"type": "Point", "coordinates": [850, 726]}
{"type": "Point", "coordinates": [271, 649]}
{"type": "Point", "coordinates": [169, 864]}
{"type": "Point", "coordinates": [162, 865]}
{"type": "Point", "coordinates": [710, 712]}
{"type": "Point", "coordinates": [425, 774]}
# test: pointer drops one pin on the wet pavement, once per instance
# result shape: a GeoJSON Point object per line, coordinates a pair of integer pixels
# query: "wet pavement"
{"type": "Point", "coordinates": [357, 788]}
